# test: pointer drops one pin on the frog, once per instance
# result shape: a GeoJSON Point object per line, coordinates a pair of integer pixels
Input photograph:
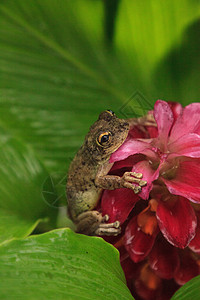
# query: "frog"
{"type": "Point", "coordinates": [88, 174]}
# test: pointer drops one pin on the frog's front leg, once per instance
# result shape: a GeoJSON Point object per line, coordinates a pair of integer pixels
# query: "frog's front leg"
{"type": "Point", "coordinates": [93, 223]}
{"type": "Point", "coordinates": [130, 180]}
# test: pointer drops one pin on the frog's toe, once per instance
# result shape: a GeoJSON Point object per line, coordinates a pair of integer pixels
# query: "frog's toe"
{"type": "Point", "coordinates": [135, 174]}
{"type": "Point", "coordinates": [142, 182]}
{"type": "Point", "coordinates": [93, 223]}
{"type": "Point", "coordinates": [109, 231]}
{"type": "Point", "coordinates": [105, 218]}
{"type": "Point", "coordinates": [136, 189]}
{"type": "Point", "coordinates": [132, 177]}
{"type": "Point", "coordinates": [115, 224]}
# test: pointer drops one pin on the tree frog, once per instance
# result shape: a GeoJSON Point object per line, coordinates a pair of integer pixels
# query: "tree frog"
{"type": "Point", "coordinates": [88, 174]}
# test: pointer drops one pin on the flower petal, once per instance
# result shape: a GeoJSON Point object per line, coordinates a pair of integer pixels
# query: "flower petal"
{"type": "Point", "coordinates": [176, 109]}
{"type": "Point", "coordinates": [194, 245]}
{"type": "Point", "coordinates": [137, 243]}
{"type": "Point", "coordinates": [153, 131]}
{"type": "Point", "coordinates": [118, 166]}
{"type": "Point", "coordinates": [149, 175]}
{"type": "Point", "coordinates": [164, 118]}
{"type": "Point", "coordinates": [187, 145]}
{"type": "Point", "coordinates": [130, 268]}
{"type": "Point", "coordinates": [177, 222]}
{"type": "Point", "coordinates": [148, 285]}
{"type": "Point", "coordinates": [163, 259]}
{"type": "Point", "coordinates": [118, 204]}
{"type": "Point", "coordinates": [135, 132]}
{"type": "Point", "coordinates": [129, 147]}
{"type": "Point", "coordinates": [187, 270]}
{"type": "Point", "coordinates": [187, 122]}
{"type": "Point", "coordinates": [186, 180]}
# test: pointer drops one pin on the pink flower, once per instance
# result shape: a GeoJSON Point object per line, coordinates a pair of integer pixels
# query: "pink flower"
{"type": "Point", "coordinates": [165, 213]}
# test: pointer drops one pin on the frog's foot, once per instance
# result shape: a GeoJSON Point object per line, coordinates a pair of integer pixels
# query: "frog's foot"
{"type": "Point", "coordinates": [108, 228]}
{"type": "Point", "coordinates": [92, 223]}
{"type": "Point", "coordinates": [129, 178]}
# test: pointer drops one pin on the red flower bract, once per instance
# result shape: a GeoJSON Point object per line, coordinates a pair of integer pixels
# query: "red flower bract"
{"type": "Point", "coordinates": [166, 209]}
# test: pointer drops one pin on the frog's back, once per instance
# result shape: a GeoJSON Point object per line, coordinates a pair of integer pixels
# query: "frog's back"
{"type": "Point", "coordinates": [82, 193]}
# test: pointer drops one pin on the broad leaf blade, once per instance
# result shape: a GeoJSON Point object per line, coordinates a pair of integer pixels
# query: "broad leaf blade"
{"type": "Point", "coordinates": [13, 226]}
{"type": "Point", "coordinates": [190, 290]}
{"type": "Point", "coordinates": [61, 265]}
{"type": "Point", "coordinates": [155, 28]}
{"type": "Point", "coordinates": [21, 203]}
{"type": "Point", "coordinates": [56, 75]}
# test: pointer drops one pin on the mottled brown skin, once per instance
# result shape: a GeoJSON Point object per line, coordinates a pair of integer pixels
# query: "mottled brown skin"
{"type": "Point", "coordinates": [88, 171]}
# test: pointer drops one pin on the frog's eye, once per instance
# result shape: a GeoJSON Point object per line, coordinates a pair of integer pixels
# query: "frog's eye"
{"type": "Point", "coordinates": [104, 138]}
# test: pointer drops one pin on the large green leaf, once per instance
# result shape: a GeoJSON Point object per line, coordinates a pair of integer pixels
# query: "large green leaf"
{"type": "Point", "coordinates": [149, 29]}
{"type": "Point", "coordinates": [22, 206]}
{"type": "Point", "coordinates": [57, 75]}
{"type": "Point", "coordinates": [161, 39]}
{"type": "Point", "coordinates": [61, 265]}
{"type": "Point", "coordinates": [190, 290]}
{"type": "Point", "coordinates": [182, 67]}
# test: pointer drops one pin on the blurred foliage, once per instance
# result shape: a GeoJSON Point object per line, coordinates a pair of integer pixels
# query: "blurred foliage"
{"type": "Point", "coordinates": [61, 64]}
{"type": "Point", "coordinates": [58, 73]}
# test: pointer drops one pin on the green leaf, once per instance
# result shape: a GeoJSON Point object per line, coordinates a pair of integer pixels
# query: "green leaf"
{"type": "Point", "coordinates": [22, 206]}
{"type": "Point", "coordinates": [61, 265]}
{"type": "Point", "coordinates": [181, 66]}
{"type": "Point", "coordinates": [110, 14]}
{"type": "Point", "coordinates": [57, 75]}
{"type": "Point", "coordinates": [149, 29]}
{"type": "Point", "coordinates": [14, 226]}
{"type": "Point", "coordinates": [190, 290]}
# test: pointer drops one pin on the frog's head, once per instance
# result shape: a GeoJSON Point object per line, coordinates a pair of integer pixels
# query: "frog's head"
{"type": "Point", "coordinates": [106, 135]}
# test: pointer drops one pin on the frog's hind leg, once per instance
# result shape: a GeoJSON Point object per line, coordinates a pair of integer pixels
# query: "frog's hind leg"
{"type": "Point", "coordinates": [92, 223]}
